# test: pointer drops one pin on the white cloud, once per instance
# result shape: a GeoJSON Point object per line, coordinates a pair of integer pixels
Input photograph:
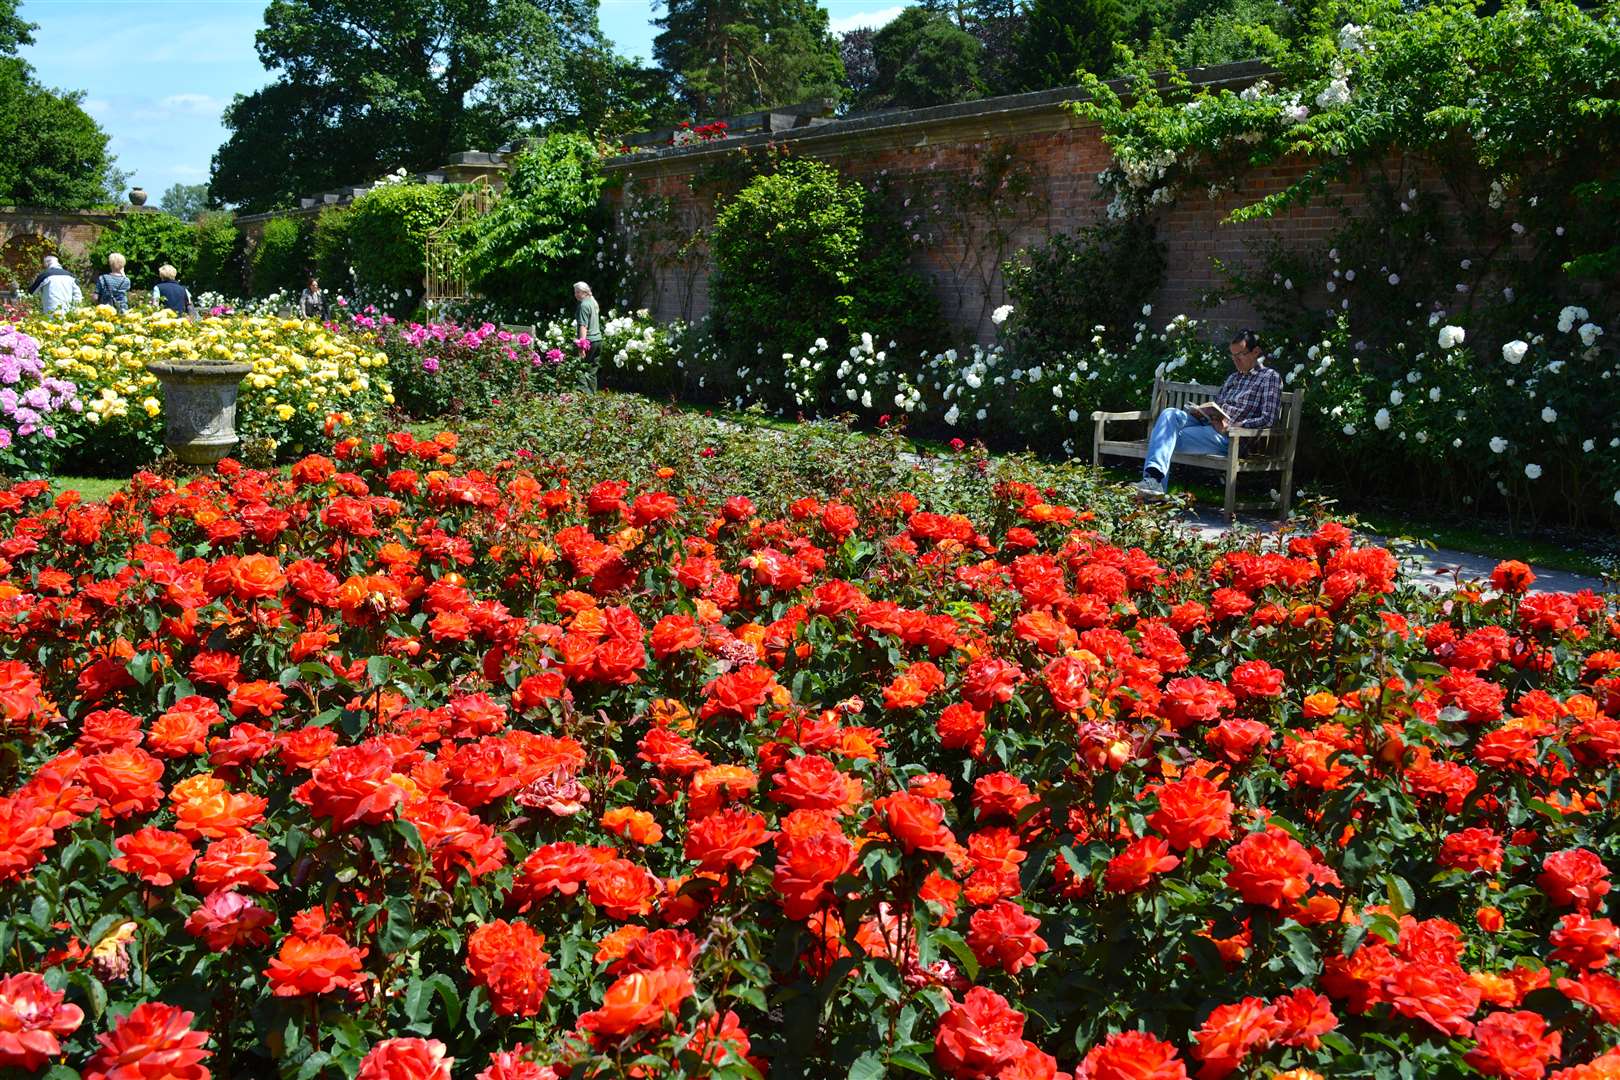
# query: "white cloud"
{"type": "Point", "coordinates": [843, 24]}
{"type": "Point", "coordinates": [196, 104]}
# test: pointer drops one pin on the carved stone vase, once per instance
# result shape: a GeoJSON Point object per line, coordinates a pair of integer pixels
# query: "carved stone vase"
{"type": "Point", "coordinates": [199, 409]}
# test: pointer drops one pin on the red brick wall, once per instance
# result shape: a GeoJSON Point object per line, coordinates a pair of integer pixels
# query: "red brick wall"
{"type": "Point", "coordinates": [1063, 157]}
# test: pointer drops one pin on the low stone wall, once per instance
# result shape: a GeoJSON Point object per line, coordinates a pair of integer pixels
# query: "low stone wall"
{"type": "Point", "coordinates": [939, 168]}
{"type": "Point", "coordinates": [27, 232]}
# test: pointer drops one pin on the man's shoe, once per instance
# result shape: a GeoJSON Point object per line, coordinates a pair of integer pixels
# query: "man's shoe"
{"type": "Point", "coordinates": [1149, 489]}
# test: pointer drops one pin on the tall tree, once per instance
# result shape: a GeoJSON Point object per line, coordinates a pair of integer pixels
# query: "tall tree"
{"type": "Point", "coordinates": [1062, 38]}
{"type": "Point", "coordinates": [998, 25]}
{"type": "Point", "coordinates": [923, 58]}
{"type": "Point", "coordinates": [185, 201]}
{"type": "Point", "coordinates": [730, 56]}
{"type": "Point", "coordinates": [364, 88]}
{"type": "Point", "coordinates": [860, 65]}
{"type": "Point", "coordinates": [55, 153]}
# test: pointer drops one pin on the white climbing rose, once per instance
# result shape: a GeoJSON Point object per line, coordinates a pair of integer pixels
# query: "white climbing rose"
{"type": "Point", "coordinates": [1514, 351]}
{"type": "Point", "coordinates": [1549, 414]}
{"type": "Point", "coordinates": [1533, 471]}
{"type": "Point", "coordinates": [1498, 444]}
{"type": "Point", "coordinates": [1381, 420]}
{"type": "Point", "coordinates": [999, 315]}
{"type": "Point", "coordinates": [1451, 336]}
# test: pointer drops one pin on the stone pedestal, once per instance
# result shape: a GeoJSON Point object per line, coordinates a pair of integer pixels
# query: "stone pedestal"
{"type": "Point", "coordinates": [199, 409]}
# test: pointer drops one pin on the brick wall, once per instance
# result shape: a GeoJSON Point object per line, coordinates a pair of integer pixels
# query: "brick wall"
{"type": "Point", "coordinates": [913, 153]}
{"type": "Point", "coordinates": [26, 231]}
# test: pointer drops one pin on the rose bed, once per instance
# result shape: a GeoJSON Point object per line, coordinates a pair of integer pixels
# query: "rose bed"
{"type": "Point", "coordinates": [393, 768]}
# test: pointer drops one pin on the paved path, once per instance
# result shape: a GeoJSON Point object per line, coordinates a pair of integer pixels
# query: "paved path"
{"type": "Point", "coordinates": [1439, 566]}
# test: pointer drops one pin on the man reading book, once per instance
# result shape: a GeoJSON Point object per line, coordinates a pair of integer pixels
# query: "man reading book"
{"type": "Point", "coordinates": [1251, 397]}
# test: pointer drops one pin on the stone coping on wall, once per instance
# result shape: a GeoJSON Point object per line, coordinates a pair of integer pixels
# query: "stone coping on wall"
{"type": "Point", "coordinates": [1010, 114]}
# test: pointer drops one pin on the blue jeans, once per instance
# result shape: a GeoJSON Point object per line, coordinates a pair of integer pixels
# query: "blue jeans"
{"type": "Point", "coordinates": [1178, 430]}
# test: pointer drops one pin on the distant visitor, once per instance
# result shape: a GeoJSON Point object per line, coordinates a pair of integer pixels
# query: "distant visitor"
{"type": "Point", "coordinates": [588, 326]}
{"type": "Point", "coordinates": [112, 288]}
{"type": "Point", "coordinates": [312, 301]}
{"type": "Point", "coordinates": [57, 289]}
{"type": "Point", "coordinates": [171, 294]}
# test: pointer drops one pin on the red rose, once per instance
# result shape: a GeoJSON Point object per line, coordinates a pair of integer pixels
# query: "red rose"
{"type": "Point", "coordinates": [154, 1042]}
{"type": "Point", "coordinates": [351, 786]}
{"type": "Point", "coordinates": [506, 959]}
{"type": "Point", "coordinates": [1192, 812]}
{"type": "Point", "coordinates": [1133, 869]}
{"type": "Point", "coordinates": [1515, 1046]}
{"type": "Point", "coordinates": [1230, 1032]}
{"type": "Point", "coordinates": [1132, 1055]}
{"type": "Point", "coordinates": [312, 964]}
{"type": "Point", "coordinates": [1005, 936]}
{"type": "Point", "coordinates": [979, 1036]}
{"type": "Point", "coordinates": [157, 856]}
{"type": "Point", "coordinates": [406, 1059]}
{"type": "Point", "coordinates": [728, 839]}
{"type": "Point", "coordinates": [1574, 877]}
{"type": "Point", "coordinates": [33, 1017]}
{"type": "Point", "coordinates": [1269, 868]}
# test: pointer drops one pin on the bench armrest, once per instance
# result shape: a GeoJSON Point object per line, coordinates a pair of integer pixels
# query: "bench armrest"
{"type": "Point", "coordinates": [1137, 414]}
{"type": "Point", "coordinates": [1247, 432]}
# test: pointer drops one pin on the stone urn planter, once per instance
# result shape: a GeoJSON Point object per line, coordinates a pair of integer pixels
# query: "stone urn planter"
{"type": "Point", "coordinates": [199, 408]}
{"type": "Point", "coordinates": [137, 197]}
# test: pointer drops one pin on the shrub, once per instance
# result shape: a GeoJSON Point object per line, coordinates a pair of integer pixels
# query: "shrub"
{"type": "Point", "coordinates": [526, 253]}
{"type": "Point", "coordinates": [329, 248]}
{"type": "Point", "coordinates": [281, 258]}
{"type": "Point", "coordinates": [147, 239]}
{"type": "Point", "coordinates": [219, 256]}
{"type": "Point", "coordinates": [802, 256]}
{"type": "Point", "coordinates": [443, 369]}
{"type": "Point", "coordinates": [388, 228]}
{"type": "Point", "coordinates": [1102, 276]}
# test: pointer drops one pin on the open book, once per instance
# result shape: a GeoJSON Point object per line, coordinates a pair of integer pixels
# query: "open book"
{"type": "Point", "coordinates": [1210, 411]}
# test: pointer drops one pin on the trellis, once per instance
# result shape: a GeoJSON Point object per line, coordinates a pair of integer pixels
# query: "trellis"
{"type": "Point", "coordinates": [446, 265]}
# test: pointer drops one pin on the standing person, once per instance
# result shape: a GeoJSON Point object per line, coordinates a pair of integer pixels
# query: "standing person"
{"type": "Point", "coordinates": [1251, 397]}
{"type": "Point", "coordinates": [112, 288]}
{"type": "Point", "coordinates": [312, 302]}
{"type": "Point", "coordinates": [171, 294]}
{"type": "Point", "coordinates": [57, 289]}
{"type": "Point", "coordinates": [588, 323]}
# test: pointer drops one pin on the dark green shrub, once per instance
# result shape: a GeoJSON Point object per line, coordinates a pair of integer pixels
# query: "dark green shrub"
{"type": "Point", "coordinates": [147, 239]}
{"type": "Point", "coordinates": [281, 257]}
{"type": "Point", "coordinates": [1099, 277]}
{"type": "Point", "coordinates": [219, 256]}
{"type": "Point", "coordinates": [800, 256]}
{"type": "Point", "coordinates": [388, 230]}
{"type": "Point", "coordinates": [329, 250]}
{"type": "Point", "coordinates": [541, 237]}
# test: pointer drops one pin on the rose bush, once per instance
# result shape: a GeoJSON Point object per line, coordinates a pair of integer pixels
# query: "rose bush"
{"type": "Point", "coordinates": [394, 766]}
{"type": "Point", "coordinates": [302, 372]}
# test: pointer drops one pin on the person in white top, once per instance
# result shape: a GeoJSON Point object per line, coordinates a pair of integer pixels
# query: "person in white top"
{"type": "Point", "coordinates": [57, 289]}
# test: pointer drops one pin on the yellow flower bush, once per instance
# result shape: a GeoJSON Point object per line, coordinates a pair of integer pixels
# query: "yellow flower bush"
{"type": "Point", "coordinates": [302, 372]}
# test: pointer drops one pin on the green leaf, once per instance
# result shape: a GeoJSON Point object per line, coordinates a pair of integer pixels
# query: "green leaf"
{"type": "Point", "coordinates": [314, 1064]}
{"type": "Point", "coordinates": [869, 1066]}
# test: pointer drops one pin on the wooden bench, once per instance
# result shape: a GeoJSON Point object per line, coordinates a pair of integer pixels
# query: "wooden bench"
{"type": "Point", "coordinates": [1252, 450]}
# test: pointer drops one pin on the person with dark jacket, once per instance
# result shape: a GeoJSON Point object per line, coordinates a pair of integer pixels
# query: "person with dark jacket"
{"type": "Point", "coordinates": [58, 290]}
{"type": "Point", "coordinates": [171, 294]}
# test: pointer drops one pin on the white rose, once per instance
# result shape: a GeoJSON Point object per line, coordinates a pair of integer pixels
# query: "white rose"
{"type": "Point", "coordinates": [1451, 336]}
{"type": "Point", "coordinates": [1589, 333]}
{"type": "Point", "coordinates": [1549, 414]}
{"type": "Point", "coordinates": [1533, 471]}
{"type": "Point", "coordinates": [1396, 397]}
{"type": "Point", "coordinates": [1498, 444]}
{"type": "Point", "coordinates": [1514, 351]}
{"type": "Point", "coordinates": [1381, 420]}
{"type": "Point", "coordinates": [999, 315]}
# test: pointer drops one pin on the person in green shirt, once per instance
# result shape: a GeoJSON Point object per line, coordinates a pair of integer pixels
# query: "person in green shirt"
{"type": "Point", "coordinates": [588, 323]}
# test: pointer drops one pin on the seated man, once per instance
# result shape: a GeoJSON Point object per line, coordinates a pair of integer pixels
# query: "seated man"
{"type": "Point", "coordinates": [1251, 397]}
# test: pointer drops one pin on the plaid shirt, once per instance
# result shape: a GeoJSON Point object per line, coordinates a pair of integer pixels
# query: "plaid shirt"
{"type": "Point", "coordinates": [1253, 399]}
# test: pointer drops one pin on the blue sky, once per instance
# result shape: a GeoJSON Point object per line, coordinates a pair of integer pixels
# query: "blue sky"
{"type": "Point", "coordinates": [157, 73]}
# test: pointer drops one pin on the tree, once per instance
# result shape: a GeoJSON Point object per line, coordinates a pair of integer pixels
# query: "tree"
{"type": "Point", "coordinates": [147, 240]}
{"type": "Point", "coordinates": [185, 201]}
{"type": "Point", "coordinates": [998, 26]}
{"type": "Point", "coordinates": [730, 56]}
{"type": "Point", "coordinates": [860, 65]}
{"type": "Point", "coordinates": [1064, 38]}
{"type": "Point", "coordinates": [364, 88]}
{"type": "Point", "coordinates": [540, 237]}
{"type": "Point", "coordinates": [55, 154]}
{"type": "Point", "coordinates": [922, 59]}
